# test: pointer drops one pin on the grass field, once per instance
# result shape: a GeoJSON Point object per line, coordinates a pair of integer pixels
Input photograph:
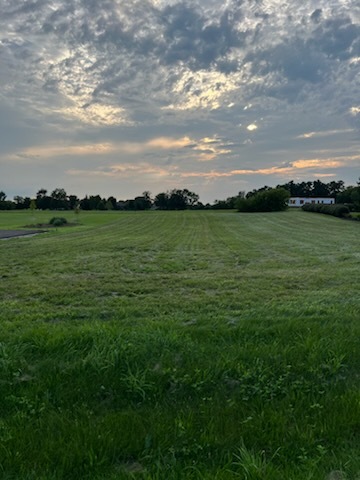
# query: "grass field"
{"type": "Point", "coordinates": [180, 345]}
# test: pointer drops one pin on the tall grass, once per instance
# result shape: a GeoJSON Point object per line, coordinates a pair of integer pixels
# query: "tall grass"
{"type": "Point", "coordinates": [172, 345]}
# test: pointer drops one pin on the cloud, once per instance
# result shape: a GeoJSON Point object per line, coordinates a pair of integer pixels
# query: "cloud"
{"type": "Point", "coordinates": [335, 37]}
{"type": "Point", "coordinates": [50, 151]}
{"type": "Point", "coordinates": [100, 60]}
{"type": "Point", "coordinates": [201, 90]}
{"type": "Point", "coordinates": [125, 170]}
{"type": "Point", "coordinates": [317, 163]}
{"type": "Point", "coordinates": [192, 37]}
{"type": "Point", "coordinates": [169, 143]}
{"type": "Point", "coordinates": [293, 168]}
{"type": "Point", "coordinates": [113, 82]}
{"type": "Point", "coordinates": [305, 54]}
{"type": "Point", "coordinates": [204, 149]}
{"type": "Point", "coordinates": [97, 114]}
{"type": "Point", "coordinates": [325, 133]}
{"type": "Point", "coordinates": [313, 167]}
{"type": "Point", "coordinates": [211, 148]}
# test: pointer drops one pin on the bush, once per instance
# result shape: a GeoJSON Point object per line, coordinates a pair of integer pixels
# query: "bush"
{"type": "Point", "coordinates": [272, 200]}
{"type": "Point", "coordinates": [58, 221]}
{"type": "Point", "coordinates": [336, 210]}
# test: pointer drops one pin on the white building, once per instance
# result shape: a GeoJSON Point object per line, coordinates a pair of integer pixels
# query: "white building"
{"type": "Point", "coordinates": [300, 201]}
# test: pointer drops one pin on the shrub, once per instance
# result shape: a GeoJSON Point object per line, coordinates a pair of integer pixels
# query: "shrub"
{"type": "Point", "coordinates": [58, 221]}
{"type": "Point", "coordinates": [336, 210]}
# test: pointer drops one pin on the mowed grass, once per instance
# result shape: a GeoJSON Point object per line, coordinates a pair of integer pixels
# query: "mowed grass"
{"type": "Point", "coordinates": [180, 345]}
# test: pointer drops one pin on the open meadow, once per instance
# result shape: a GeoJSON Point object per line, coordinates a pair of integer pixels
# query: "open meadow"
{"type": "Point", "coordinates": [180, 345]}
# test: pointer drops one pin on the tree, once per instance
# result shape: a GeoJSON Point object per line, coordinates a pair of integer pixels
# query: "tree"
{"type": "Point", "coordinates": [191, 198]}
{"type": "Point", "coordinates": [177, 201]}
{"type": "Point", "coordinates": [161, 201]}
{"type": "Point", "coordinates": [5, 204]}
{"type": "Point", "coordinates": [59, 199]}
{"type": "Point", "coordinates": [112, 201]}
{"type": "Point", "coordinates": [94, 201]}
{"type": "Point", "coordinates": [19, 202]}
{"type": "Point", "coordinates": [101, 205]}
{"type": "Point", "coordinates": [351, 196]}
{"type": "Point", "coordinates": [320, 189]}
{"type": "Point", "coordinates": [314, 189]}
{"type": "Point", "coordinates": [43, 201]}
{"type": "Point", "coordinates": [355, 197]}
{"type": "Point", "coordinates": [147, 196]}
{"type": "Point", "coordinates": [73, 202]}
{"type": "Point", "coordinates": [141, 203]}
{"type": "Point", "coordinates": [85, 203]}
{"type": "Point", "coordinates": [256, 191]}
{"type": "Point", "coordinates": [335, 188]}
{"type": "Point", "coordinates": [77, 211]}
{"type": "Point", "coordinates": [291, 187]}
{"type": "Point", "coordinates": [270, 200]}
{"type": "Point", "coordinates": [22, 202]}
{"type": "Point", "coordinates": [229, 203]}
{"type": "Point", "coordinates": [109, 205]}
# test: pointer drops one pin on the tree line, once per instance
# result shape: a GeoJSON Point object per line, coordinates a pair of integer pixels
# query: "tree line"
{"type": "Point", "coordinates": [180, 199]}
{"type": "Point", "coordinates": [58, 199]}
{"type": "Point", "coordinates": [334, 189]}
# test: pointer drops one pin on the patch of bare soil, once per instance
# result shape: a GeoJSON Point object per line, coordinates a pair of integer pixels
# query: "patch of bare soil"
{"type": "Point", "coordinates": [50, 225]}
{"type": "Point", "coordinates": [4, 234]}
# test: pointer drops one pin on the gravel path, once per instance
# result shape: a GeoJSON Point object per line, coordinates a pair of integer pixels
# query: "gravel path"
{"type": "Point", "coordinates": [18, 233]}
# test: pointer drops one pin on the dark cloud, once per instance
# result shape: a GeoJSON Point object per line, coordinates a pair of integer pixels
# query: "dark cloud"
{"type": "Point", "coordinates": [308, 57]}
{"type": "Point", "coordinates": [335, 37]}
{"type": "Point", "coordinates": [316, 15]}
{"type": "Point", "coordinates": [191, 37]}
{"type": "Point", "coordinates": [292, 59]}
{"type": "Point", "coordinates": [174, 34]}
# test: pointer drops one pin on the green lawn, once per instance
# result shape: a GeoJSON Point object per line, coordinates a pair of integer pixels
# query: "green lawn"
{"type": "Point", "coordinates": [180, 345]}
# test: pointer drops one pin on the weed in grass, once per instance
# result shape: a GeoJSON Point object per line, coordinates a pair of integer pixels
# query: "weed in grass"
{"type": "Point", "coordinates": [253, 466]}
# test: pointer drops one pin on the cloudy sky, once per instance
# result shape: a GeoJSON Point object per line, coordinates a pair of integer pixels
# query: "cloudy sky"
{"type": "Point", "coordinates": [116, 97]}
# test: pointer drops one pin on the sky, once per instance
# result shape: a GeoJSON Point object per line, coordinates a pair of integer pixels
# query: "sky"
{"type": "Point", "coordinates": [116, 97]}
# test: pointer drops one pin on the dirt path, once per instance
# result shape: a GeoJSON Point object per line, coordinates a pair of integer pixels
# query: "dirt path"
{"type": "Point", "coordinates": [4, 234]}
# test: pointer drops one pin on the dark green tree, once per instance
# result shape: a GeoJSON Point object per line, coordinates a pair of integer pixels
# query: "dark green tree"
{"type": "Point", "coordinates": [320, 189]}
{"type": "Point", "coordinates": [43, 201]}
{"type": "Point", "coordinates": [161, 201]}
{"type": "Point", "coordinates": [190, 198]}
{"type": "Point", "coordinates": [256, 191]}
{"type": "Point", "coordinates": [94, 201]}
{"type": "Point", "coordinates": [141, 203]}
{"type": "Point", "coordinates": [112, 201]}
{"type": "Point", "coordinates": [101, 205]}
{"type": "Point", "coordinates": [59, 200]}
{"type": "Point", "coordinates": [85, 203]}
{"type": "Point", "coordinates": [177, 200]}
{"type": "Point", "coordinates": [335, 188]}
{"type": "Point", "coordinates": [73, 202]}
{"type": "Point", "coordinates": [19, 202]}
{"type": "Point", "coordinates": [271, 200]}
{"type": "Point", "coordinates": [229, 203]}
{"type": "Point", "coordinates": [6, 204]}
